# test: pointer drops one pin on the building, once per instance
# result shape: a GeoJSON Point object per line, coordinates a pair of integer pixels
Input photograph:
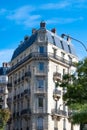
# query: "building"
{"type": "Point", "coordinates": [3, 86]}
{"type": "Point", "coordinates": [36, 63]}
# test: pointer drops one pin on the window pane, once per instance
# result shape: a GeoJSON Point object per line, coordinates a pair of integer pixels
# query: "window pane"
{"type": "Point", "coordinates": [41, 66]}
{"type": "Point", "coordinates": [41, 49]}
{"type": "Point", "coordinates": [40, 83]}
{"type": "Point", "coordinates": [40, 102]}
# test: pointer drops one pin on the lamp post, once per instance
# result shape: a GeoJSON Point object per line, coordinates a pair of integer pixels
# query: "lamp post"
{"type": "Point", "coordinates": [56, 97]}
{"type": "Point", "coordinates": [65, 35]}
{"type": "Point", "coordinates": [69, 37]}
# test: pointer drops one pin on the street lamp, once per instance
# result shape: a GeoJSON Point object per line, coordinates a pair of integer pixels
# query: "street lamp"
{"type": "Point", "coordinates": [65, 35]}
{"type": "Point", "coordinates": [56, 97]}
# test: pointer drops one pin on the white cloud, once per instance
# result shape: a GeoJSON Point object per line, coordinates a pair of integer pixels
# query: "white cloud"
{"type": "Point", "coordinates": [55, 5]}
{"type": "Point", "coordinates": [65, 4]}
{"type": "Point", "coordinates": [63, 20]}
{"type": "Point", "coordinates": [5, 55]}
{"type": "Point", "coordinates": [23, 15]}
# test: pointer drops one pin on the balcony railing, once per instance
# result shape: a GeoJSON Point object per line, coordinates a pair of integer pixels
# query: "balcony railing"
{"type": "Point", "coordinates": [28, 74]}
{"type": "Point", "coordinates": [59, 113]}
{"type": "Point", "coordinates": [39, 90]}
{"type": "Point", "coordinates": [40, 55]}
{"type": "Point", "coordinates": [26, 112]}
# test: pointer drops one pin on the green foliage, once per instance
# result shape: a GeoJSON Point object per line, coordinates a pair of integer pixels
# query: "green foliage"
{"type": "Point", "coordinates": [76, 94]}
{"type": "Point", "coordinates": [4, 116]}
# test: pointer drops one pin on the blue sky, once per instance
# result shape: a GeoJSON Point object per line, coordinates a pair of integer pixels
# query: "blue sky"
{"type": "Point", "coordinates": [18, 17]}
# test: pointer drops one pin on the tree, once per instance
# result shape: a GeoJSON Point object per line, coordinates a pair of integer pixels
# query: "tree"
{"type": "Point", "coordinates": [76, 94]}
{"type": "Point", "coordinates": [4, 116]}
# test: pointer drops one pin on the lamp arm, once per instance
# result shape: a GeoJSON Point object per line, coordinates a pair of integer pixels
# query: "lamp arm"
{"type": "Point", "coordinates": [75, 40]}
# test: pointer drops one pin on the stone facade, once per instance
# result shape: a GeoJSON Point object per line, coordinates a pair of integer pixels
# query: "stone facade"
{"type": "Point", "coordinates": [31, 84]}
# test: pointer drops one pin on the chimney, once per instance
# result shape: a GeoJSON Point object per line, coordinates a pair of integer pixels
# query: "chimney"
{"type": "Point", "coordinates": [53, 30]}
{"type": "Point", "coordinates": [4, 64]}
{"type": "Point", "coordinates": [42, 24]}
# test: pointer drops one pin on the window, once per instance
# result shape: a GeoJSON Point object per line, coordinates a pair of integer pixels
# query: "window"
{"type": "Point", "coordinates": [41, 66]}
{"type": "Point", "coordinates": [53, 40]}
{"type": "Point", "coordinates": [62, 55]}
{"type": "Point", "coordinates": [40, 123]}
{"type": "Point", "coordinates": [54, 52]}
{"type": "Point", "coordinates": [40, 102]}
{"type": "Point", "coordinates": [70, 59]}
{"type": "Point", "coordinates": [41, 49]}
{"type": "Point", "coordinates": [62, 45]}
{"type": "Point", "coordinates": [64, 124]}
{"type": "Point", "coordinates": [69, 48]}
{"type": "Point", "coordinates": [40, 83]}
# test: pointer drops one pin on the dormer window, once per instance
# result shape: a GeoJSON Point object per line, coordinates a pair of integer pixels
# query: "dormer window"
{"type": "Point", "coordinates": [69, 48]}
{"type": "Point", "coordinates": [53, 40]}
{"type": "Point", "coordinates": [62, 44]}
{"type": "Point", "coordinates": [70, 59]}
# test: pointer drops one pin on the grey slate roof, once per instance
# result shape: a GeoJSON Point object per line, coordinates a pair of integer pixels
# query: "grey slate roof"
{"type": "Point", "coordinates": [51, 37]}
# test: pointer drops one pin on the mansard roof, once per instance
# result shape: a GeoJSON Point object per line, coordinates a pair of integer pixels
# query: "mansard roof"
{"type": "Point", "coordinates": [51, 37]}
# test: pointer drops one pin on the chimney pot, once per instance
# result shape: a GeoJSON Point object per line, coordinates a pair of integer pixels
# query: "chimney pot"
{"type": "Point", "coordinates": [53, 30]}
{"type": "Point", "coordinates": [42, 24]}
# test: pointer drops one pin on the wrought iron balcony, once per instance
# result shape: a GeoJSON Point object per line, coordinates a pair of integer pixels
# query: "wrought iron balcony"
{"type": "Point", "coordinates": [59, 113]}
{"type": "Point", "coordinates": [28, 74]}
{"type": "Point", "coordinates": [36, 55]}
{"type": "Point", "coordinates": [40, 90]}
{"type": "Point", "coordinates": [40, 73]}
{"type": "Point", "coordinates": [26, 113]}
